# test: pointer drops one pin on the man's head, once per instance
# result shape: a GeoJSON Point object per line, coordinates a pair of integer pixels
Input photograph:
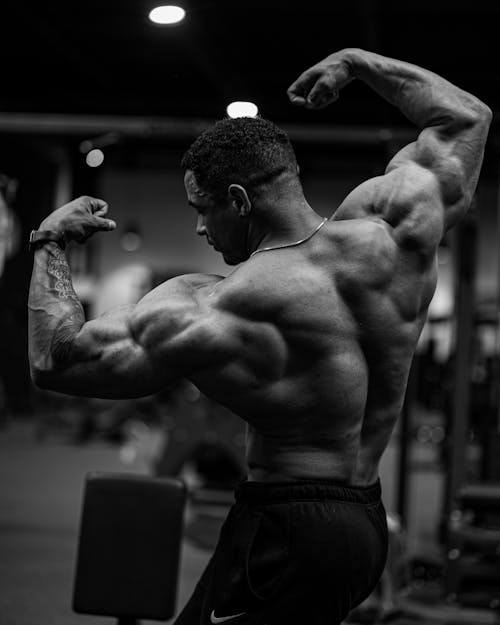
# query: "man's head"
{"type": "Point", "coordinates": [229, 168]}
{"type": "Point", "coordinates": [247, 151]}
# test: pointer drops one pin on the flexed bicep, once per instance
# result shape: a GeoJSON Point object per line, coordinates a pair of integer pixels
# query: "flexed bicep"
{"type": "Point", "coordinates": [104, 359]}
{"type": "Point", "coordinates": [134, 350]}
{"type": "Point", "coordinates": [428, 186]}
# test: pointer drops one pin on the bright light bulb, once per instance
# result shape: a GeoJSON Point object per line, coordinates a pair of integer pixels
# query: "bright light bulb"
{"type": "Point", "coordinates": [242, 109]}
{"type": "Point", "coordinates": [95, 158]}
{"type": "Point", "coordinates": [167, 14]}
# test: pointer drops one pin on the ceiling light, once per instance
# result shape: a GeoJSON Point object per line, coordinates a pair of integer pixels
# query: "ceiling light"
{"type": "Point", "coordinates": [95, 158]}
{"type": "Point", "coordinates": [242, 109]}
{"type": "Point", "coordinates": [167, 14]}
{"type": "Point", "coordinates": [131, 239]}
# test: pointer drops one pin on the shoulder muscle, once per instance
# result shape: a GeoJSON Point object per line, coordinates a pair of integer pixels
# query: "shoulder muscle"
{"type": "Point", "coordinates": [408, 199]}
{"type": "Point", "coordinates": [167, 321]}
{"type": "Point", "coordinates": [199, 327]}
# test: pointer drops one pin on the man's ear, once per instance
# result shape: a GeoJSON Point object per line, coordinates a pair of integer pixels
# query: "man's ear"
{"type": "Point", "coordinates": [239, 199]}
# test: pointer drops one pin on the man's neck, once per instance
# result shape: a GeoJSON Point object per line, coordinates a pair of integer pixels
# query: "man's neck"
{"type": "Point", "coordinates": [281, 222]}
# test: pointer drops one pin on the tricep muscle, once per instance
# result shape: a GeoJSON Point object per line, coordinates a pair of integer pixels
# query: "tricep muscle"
{"type": "Point", "coordinates": [105, 360]}
{"type": "Point", "coordinates": [427, 186]}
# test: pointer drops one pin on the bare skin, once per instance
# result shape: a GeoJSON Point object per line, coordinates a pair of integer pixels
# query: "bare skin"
{"type": "Point", "coordinates": [311, 344]}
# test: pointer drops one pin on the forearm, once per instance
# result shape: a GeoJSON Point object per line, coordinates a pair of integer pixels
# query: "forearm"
{"type": "Point", "coordinates": [423, 97]}
{"type": "Point", "coordinates": [55, 312]}
{"type": "Point", "coordinates": [98, 358]}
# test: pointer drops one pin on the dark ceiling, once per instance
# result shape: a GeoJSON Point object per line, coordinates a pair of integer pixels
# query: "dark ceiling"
{"type": "Point", "coordinates": [105, 57]}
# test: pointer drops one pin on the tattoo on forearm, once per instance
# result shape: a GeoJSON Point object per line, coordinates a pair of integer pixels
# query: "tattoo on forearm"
{"type": "Point", "coordinates": [55, 312]}
{"type": "Point", "coordinates": [70, 322]}
{"type": "Point", "coordinates": [58, 268]}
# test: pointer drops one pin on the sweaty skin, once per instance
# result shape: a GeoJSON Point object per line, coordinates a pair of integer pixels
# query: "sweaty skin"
{"type": "Point", "coordinates": [311, 345]}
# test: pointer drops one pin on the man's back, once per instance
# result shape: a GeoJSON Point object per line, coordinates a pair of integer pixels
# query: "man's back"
{"type": "Point", "coordinates": [329, 329]}
{"type": "Point", "coordinates": [311, 344]}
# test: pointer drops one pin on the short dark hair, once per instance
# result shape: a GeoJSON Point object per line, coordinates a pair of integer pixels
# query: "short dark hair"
{"type": "Point", "coordinates": [245, 150]}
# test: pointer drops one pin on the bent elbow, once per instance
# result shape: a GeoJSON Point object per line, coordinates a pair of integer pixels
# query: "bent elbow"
{"type": "Point", "coordinates": [486, 114]}
{"type": "Point", "coordinates": [475, 116]}
{"type": "Point", "coordinates": [42, 373]}
{"type": "Point", "coordinates": [42, 378]}
{"type": "Point", "coordinates": [482, 115]}
{"type": "Point", "coordinates": [49, 381]}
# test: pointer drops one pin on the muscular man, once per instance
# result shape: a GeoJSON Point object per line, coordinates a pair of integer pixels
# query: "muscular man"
{"type": "Point", "coordinates": [309, 341]}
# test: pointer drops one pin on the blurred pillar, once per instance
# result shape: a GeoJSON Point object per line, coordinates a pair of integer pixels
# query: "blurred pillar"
{"type": "Point", "coordinates": [405, 428]}
{"type": "Point", "coordinates": [465, 245]}
{"type": "Point", "coordinates": [497, 355]}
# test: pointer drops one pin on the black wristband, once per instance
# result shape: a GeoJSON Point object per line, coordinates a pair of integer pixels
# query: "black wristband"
{"type": "Point", "coordinates": [38, 238]}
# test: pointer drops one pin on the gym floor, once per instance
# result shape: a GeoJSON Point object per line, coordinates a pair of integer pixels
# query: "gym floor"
{"type": "Point", "coordinates": [41, 487]}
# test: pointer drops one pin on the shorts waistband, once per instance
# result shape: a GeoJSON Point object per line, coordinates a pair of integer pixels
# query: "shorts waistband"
{"type": "Point", "coordinates": [307, 490]}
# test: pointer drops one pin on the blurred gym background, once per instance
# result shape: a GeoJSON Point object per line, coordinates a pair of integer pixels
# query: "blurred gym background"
{"type": "Point", "coordinates": [99, 99]}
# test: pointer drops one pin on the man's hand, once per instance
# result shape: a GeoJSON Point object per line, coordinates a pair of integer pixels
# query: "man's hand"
{"type": "Point", "coordinates": [79, 219]}
{"type": "Point", "coordinates": [319, 86]}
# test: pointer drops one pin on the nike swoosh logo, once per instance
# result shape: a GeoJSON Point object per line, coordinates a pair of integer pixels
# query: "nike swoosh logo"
{"type": "Point", "coordinates": [222, 619]}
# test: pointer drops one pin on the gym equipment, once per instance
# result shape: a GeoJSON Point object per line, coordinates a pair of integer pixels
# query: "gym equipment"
{"type": "Point", "coordinates": [465, 253]}
{"type": "Point", "coordinates": [415, 611]}
{"type": "Point", "coordinates": [9, 222]}
{"type": "Point", "coordinates": [473, 564]}
{"type": "Point", "coordinates": [406, 419]}
{"type": "Point", "coordinates": [129, 546]}
{"type": "Point", "coordinates": [400, 600]}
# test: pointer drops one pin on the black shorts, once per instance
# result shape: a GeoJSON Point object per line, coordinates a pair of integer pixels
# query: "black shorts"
{"type": "Point", "coordinates": [303, 552]}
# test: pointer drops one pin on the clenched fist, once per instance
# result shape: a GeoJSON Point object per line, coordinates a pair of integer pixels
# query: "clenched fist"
{"type": "Point", "coordinates": [319, 85]}
{"type": "Point", "coordinates": [79, 219]}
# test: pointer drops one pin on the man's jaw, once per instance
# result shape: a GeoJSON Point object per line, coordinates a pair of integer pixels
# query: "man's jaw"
{"type": "Point", "coordinates": [227, 259]}
{"type": "Point", "coordinates": [232, 261]}
{"type": "Point", "coordinates": [212, 244]}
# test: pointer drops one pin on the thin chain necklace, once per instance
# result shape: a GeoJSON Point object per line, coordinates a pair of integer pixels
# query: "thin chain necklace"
{"type": "Point", "coordinates": [278, 247]}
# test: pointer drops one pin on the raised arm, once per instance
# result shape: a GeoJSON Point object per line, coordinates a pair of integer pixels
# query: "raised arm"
{"type": "Point", "coordinates": [129, 352]}
{"type": "Point", "coordinates": [429, 184]}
